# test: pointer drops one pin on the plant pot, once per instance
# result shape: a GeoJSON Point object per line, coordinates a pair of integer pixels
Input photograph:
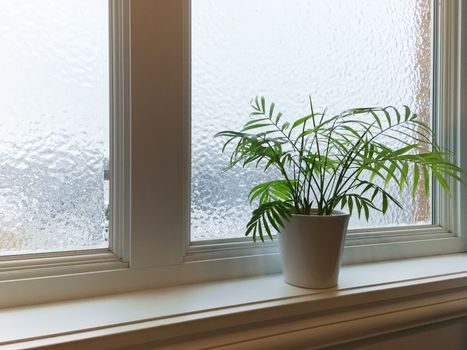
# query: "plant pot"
{"type": "Point", "coordinates": [311, 249]}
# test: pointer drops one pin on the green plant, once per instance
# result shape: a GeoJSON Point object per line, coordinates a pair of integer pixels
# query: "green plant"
{"type": "Point", "coordinates": [330, 161]}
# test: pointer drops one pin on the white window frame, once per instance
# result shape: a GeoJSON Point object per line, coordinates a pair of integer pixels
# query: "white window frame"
{"type": "Point", "coordinates": [446, 235]}
{"type": "Point", "coordinates": [150, 158]}
{"type": "Point", "coordinates": [116, 256]}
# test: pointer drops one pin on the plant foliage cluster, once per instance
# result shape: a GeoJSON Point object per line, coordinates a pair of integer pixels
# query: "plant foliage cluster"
{"type": "Point", "coordinates": [340, 161]}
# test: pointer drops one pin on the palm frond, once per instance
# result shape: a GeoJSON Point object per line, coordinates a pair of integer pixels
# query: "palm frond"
{"type": "Point", "coordinates": [348, 160]}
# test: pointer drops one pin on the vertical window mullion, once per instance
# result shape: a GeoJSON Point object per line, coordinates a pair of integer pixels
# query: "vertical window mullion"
{"type": "Point", "coordinates": [120, 128]}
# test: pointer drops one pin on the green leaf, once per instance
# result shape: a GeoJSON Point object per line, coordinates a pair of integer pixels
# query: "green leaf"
{"type": "Point", "coordinates": [256, 120]}
{"type": "Point", "coordinates": [403, 150]}
{"type": "Point", "coordinates": [385, 203]}
{"type": "Point", "coordinates": [377, 119]}
{"type": "Point", "coordinates": [272, 221]}
{"type": "Point", "coordinates": [260, 231]}
{"type": "Point", "coordinates": [350, 204]}
{"type": "Point", "coordinates": [268, 230]}
{"type": "Point", "coordinates": [351, 130]}
{"type": "Point", "coordinates": [271, 110]}
{"type": "Point", "coordinates": [359, 206]}
{"type": "Point", "coordinates": [376, 171]}
{"type": "Point", "coordinates": [416, 179]}
{"type": "Point", "coordinates": [441, 180]}
{"type": "Point", "coordinates": [388, 116]}
{"type": "Point", "coordinates": [257, 106]}
{"type": "Point", "coordinates": [301, 121]}
{"type": "Point", "coordinates": [398, 115]}
{"type": "Point", "coordinates": [255, 126]}
{"type": "Point", "coordinates": [367, 211]}
{"type": "Point", "coordinates": [404, 174]}
{"type": "Point", "coordinates": [375, 193]}
{"type": "Point", "coordinates": [426, 179]}
{"type": "Point", "coordinates": [250, 228]}
{"type": "Point", "coordinates": [408, 113]}
{"type": "Point", "coordinates": [390, 175]}
{"type": "Point", "coordinates": [344, 202]}
{"type": "Point", "coordinates": [278, 118]}
{"type": "Point", "coordinates": [277, 217]}
{"type": "Point", "coordinates": [263, 104]}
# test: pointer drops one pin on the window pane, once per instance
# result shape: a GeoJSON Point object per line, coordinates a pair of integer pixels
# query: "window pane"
{"type": "Point", "coordinates": [344, 53]}
{"type": "Point", "coordinates": [54, 131]}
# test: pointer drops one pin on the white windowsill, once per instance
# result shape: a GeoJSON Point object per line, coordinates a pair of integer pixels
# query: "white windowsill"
{"type": "Point", "coordinates": [179, 315]}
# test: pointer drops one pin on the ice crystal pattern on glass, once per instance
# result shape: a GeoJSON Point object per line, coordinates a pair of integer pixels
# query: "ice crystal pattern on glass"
{"type": "Point", "coordinates": [54, 125]}
{"type": "Point", "coordinates": [344, 53]}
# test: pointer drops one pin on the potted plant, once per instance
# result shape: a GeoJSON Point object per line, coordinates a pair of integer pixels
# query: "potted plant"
{"type": "Point", "coordinates": [325, 164]}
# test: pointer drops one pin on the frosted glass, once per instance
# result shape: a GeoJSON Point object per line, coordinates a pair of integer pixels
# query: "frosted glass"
{"type": "Point", "coordinates": [54, 130]}
{"type": "Point", "coordinates": [344, 53]}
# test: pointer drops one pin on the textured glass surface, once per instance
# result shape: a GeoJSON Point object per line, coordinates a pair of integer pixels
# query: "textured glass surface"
{"type": "Point", "coordinates": [344, 53]}
{"type": "Point", "coordinates": [54, 130]}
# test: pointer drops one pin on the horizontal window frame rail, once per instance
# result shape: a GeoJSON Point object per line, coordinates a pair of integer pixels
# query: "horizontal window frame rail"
{"type": "Point", "coordinates": [52, 264]}
{"type": "Point", "coordinates": [352, 233]}
{"type": "Point", "coordinates": [234, 247]}
{"type": "Point", "coordinates": [53, 254]}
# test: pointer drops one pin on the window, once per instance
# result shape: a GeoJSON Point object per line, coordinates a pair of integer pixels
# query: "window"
{"type": "Point", "coordinates": [345, 54]}
{"type": "Point", "coordinates": [54, 134]}
{"type": "Point", "coordinates": [234, 45]}
{"type": "Point", "coordinates": [150, 153]}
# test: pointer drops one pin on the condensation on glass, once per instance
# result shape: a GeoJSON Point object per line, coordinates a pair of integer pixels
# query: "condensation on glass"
{"type": "Point", "coordinates": [54, 130]}
{"type": "Point", "coordinates": [344, 53]}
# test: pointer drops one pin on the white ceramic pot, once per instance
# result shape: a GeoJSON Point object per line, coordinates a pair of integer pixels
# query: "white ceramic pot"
{"type": "Point", "coordinates": [311, 249]}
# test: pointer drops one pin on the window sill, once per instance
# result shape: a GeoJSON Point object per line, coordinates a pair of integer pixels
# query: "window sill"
{"type": "Point", "coordinates": [252, 312]}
